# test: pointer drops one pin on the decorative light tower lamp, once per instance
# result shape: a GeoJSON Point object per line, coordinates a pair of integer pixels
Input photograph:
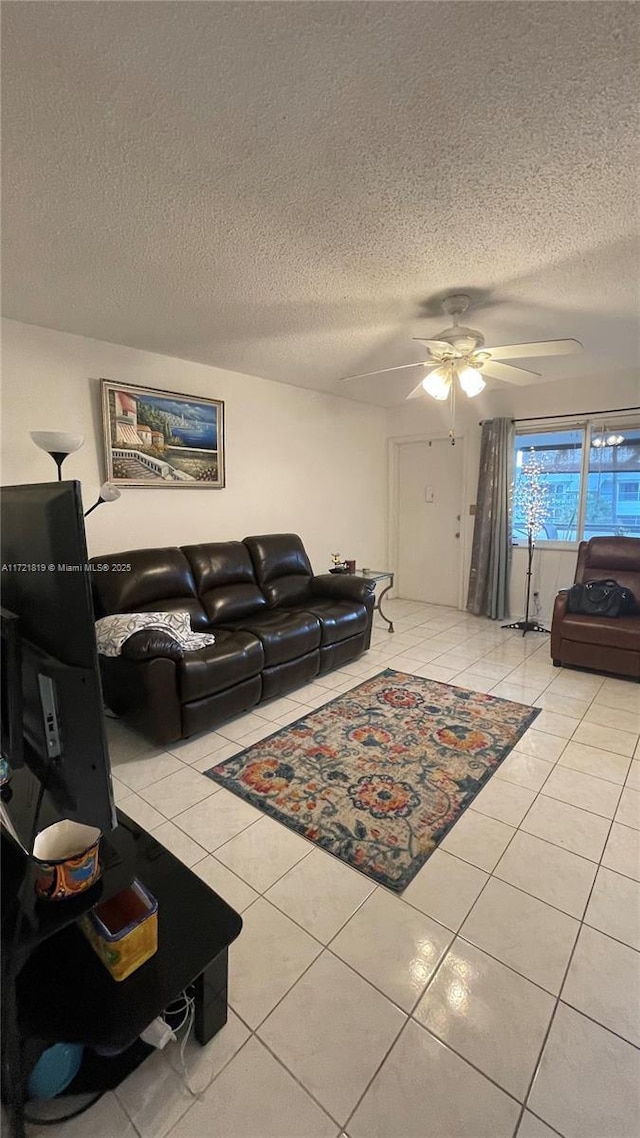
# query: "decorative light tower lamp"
{"type": "Point", "coordinates": [530, 499]}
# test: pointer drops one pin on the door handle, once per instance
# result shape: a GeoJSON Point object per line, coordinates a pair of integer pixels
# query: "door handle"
{"type": "Point", "coordinates": [458, 534]}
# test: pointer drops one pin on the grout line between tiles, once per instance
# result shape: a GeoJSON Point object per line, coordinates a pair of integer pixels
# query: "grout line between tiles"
{"type": "Point", "coordinates": [585, 1015]}
{"type": "Point", "coordinates": [297, 1080]}
{"type": "Point", "coordinates": [551, 1128]}
{"type": "Point", "coordinates": [559, 1000]}
{"type": "Point", "coordinates": [200, 1094]}
{"type": "Point", "coordinates": [376, 1072]}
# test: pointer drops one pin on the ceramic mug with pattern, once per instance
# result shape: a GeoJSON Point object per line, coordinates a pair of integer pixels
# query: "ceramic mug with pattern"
{"type": "Point", "coordinates": [66, 859]}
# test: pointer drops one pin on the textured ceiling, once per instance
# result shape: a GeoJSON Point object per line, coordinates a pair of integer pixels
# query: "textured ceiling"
{"type": "Point", "coordinates": [283, 188]}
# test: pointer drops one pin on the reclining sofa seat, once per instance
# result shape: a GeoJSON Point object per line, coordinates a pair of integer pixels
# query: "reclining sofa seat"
{"type": "Point", "coordinates": [604, 643]}
{"type": "Point", "coordinates": [226, 583]}
{"type": "Point", "coordinates": [284, 574]}
{"type": "Point", "coordinates": [169, 695]}
{"type": "Point", "coordinates": [269, 639]}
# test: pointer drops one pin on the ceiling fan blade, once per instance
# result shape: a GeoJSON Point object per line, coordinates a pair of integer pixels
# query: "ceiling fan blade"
{"type": "Point", "coordinates": [540, 348]}
{"type": "Point", "coordinates": [381, 371]}
{"type": "Point", "coordinates": [492, 369]}
{"type": "Point", "coordinates": [417, 392]}
{"type": "Point", "coordinates": [438, 348]}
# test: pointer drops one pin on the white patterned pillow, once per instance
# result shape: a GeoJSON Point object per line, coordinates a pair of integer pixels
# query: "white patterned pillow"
{"type": "Point", "coordinates": [113, 631]}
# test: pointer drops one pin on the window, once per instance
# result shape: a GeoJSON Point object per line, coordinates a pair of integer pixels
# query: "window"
{"type": "Point", "coordinates": [585, 482]}
{"type": "Point", "coordinates": [613, 482]}
{"type": "Point", "coordinates": [557, 455]}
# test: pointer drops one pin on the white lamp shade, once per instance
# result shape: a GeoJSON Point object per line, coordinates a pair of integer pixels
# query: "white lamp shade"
{"type": "Point", "coordinates": [438, 383]}
{"type": "Point", "coordinates": [57, 442]}
{"type": "Point", "coordinates": [471, 381]}
{"type": "Point", "coordinates": [109, 492]}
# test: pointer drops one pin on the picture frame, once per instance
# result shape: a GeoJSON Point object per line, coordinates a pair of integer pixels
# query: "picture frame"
{"type": "Point", "coordinates": [156, 438]}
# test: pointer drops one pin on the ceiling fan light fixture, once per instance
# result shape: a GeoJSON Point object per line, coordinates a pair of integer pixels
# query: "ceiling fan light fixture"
{"type": "Point", "coordinates": [438, 383]}
{"type": "Point", "coordinates": [471, 381]}
{"type": "Point", "coordinates": [612, 440]}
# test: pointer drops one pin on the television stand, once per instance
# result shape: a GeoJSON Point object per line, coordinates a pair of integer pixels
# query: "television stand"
{"type": "Point", "coordinates": [65, 994]}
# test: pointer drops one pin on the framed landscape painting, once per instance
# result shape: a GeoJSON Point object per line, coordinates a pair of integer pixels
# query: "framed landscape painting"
{"type": "Point", "coordinates": [160, 438]}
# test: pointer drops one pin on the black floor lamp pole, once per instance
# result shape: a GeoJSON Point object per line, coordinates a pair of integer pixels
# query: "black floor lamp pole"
{"type": "Point", "coordinates": [527, 625]}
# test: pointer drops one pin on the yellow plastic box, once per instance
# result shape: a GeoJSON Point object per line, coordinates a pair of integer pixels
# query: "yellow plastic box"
{"type": "Point", "coordinates": [123, 931]}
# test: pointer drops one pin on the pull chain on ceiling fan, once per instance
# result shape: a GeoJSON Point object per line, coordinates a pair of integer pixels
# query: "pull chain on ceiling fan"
{"type": "Point", "coordinates": [458, 353]}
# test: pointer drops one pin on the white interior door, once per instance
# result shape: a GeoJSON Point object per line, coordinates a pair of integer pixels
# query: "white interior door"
{"type": "Point", "coordinates": [429, 522]}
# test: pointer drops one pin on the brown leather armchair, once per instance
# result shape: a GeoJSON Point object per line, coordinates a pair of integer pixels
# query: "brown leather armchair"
{"type": "Point", "coordinates": [602, 643]}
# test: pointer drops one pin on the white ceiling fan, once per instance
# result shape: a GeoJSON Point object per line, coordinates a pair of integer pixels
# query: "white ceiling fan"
{"type": "Point", "coordinates": [459, 352]}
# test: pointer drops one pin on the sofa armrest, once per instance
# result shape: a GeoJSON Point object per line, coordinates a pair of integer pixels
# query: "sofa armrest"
{"type": "Point", "coordinates": [560, 603]}
{"type": "Point", "coordinates": [559, 613]}
{"type": "Point", "coordinates": [342, 586]}
{"type": "Point", "coordinates": [146, 693]}
{"type": "Point", "coordinates": [150, 644]}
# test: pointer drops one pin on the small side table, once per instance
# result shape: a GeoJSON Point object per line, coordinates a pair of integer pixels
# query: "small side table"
{"type": "Point", "coordinates": [378, 575]}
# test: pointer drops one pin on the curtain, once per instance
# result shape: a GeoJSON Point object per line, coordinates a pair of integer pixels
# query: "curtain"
{"type": "Point", "coordinates": [491, 551]}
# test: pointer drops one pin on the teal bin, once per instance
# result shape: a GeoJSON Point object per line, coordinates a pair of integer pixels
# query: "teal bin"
{"type": "Point", "coordinates": [55, 1069]}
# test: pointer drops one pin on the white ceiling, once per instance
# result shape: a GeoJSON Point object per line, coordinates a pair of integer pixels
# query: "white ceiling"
{"type": "Point", "coordinates": [283, 189]}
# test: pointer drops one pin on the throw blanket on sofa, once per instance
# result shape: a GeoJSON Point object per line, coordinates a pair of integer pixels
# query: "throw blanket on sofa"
{"type": "Point", "coordinates": [113, 631]}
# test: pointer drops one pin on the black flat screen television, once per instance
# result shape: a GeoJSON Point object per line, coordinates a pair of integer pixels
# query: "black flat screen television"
{"type": "Point", "coordinates": [50, 676]}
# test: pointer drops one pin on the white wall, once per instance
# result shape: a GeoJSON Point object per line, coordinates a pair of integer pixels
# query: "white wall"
{"type": "Point", "coordinates": [297, 460]}
{"type": "Point", "coordinates": [552, 568]}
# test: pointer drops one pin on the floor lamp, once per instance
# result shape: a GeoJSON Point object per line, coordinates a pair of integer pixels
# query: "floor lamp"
{"type": "Point", "coordinates": [58, 444]}
{"type": "Point", "coordinates": [530, 496]}
{"type": "Point", "coordinates": [108, 493]}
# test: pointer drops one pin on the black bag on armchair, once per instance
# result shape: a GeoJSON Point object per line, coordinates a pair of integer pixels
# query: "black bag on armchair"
{"type": "Point", "coordinates": [600, 598]}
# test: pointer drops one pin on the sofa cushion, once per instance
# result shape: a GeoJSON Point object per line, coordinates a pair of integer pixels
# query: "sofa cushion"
{"type": "Point", "coordinates": [287, 677]}
{"type": "Point", "coordinates": [621, 632]}
{"type": "Point", "coordinates": [339, 620]}
{"type": "Point", "coordinates": [146, 580]}
{"type": "Point", "coordinates": [337, 655]}
{"type": "Point", "coordinates": [284, 635]}
{"type": "Point", "coordinates": [235, 656]}
{"type": "Point", "coordinates": [205, 714]}
{"type": "Point", "coordinates": [225, 581]}
{"type": "Point", "coordinates": [283, 570]}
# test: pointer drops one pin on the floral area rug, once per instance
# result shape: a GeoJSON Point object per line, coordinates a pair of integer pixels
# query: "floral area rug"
{"type": "Point", "coordinates": [379, 775]}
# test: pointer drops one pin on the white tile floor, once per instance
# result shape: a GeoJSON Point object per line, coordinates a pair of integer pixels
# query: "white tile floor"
{"type": "Point", "coordinates": [498, 996]}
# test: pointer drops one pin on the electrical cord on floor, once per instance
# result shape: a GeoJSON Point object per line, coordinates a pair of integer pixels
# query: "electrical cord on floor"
{"type": "Point", "coordinates": [187, 1004]}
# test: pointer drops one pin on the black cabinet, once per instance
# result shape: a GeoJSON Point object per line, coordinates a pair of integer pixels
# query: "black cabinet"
{"type": "Point", "coordinates": [63, 993]}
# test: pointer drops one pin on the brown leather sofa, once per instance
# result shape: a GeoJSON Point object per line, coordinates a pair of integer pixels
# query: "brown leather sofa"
{"type": "Point", "coordinates": [598, 642]}
{"type": "Point", "coordinates": [276, 627]}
